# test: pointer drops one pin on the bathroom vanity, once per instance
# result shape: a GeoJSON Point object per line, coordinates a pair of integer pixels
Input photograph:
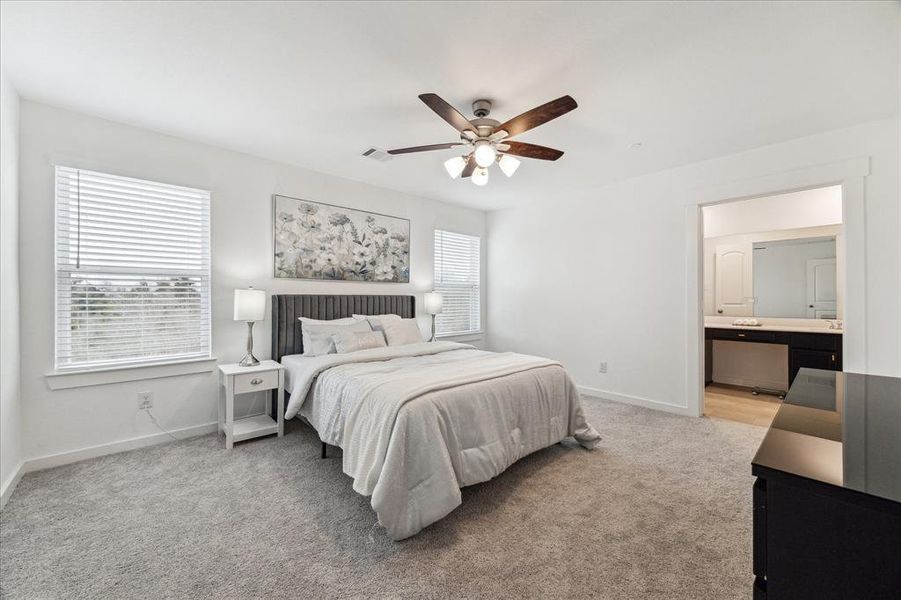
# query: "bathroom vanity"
{"type": "Point", "coordinates": [812, 347]}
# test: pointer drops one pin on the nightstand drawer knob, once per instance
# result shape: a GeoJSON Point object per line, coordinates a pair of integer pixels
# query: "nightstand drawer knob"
{"type": "Point", "coordinates": [256, 381]}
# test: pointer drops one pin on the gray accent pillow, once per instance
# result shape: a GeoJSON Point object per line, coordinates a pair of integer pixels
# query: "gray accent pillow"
{"type": "Point", "coordinates": [350, 341]}
{"type": "Point", "coordinates": [317, 337]}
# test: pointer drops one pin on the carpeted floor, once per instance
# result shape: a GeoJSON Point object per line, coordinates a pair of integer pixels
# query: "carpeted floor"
{"type": "Point", "coordinates": [661, 510]}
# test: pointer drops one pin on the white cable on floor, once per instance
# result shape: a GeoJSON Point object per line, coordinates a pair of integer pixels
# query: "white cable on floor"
{"type": "Point", "coordinates": [155, 422]}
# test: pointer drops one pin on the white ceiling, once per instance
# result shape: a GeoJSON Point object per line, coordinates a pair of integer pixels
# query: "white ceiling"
{"type": "Point", "coordinates": [316, 84]}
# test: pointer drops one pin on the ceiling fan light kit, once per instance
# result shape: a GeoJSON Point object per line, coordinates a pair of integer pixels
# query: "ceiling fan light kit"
{"type": "Point", "coordinates": [486, 141]}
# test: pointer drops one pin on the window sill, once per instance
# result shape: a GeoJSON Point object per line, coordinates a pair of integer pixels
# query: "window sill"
{"type": "Point", "coordinates": [62, 380]}
{"type": "Point", "coordinates": [471, 336]}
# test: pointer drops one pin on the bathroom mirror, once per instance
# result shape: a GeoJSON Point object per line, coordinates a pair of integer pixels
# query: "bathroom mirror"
{"type": "Point", "coordinates": [771, 274]}
{"type": "Point", "coordinates": [795, 278]}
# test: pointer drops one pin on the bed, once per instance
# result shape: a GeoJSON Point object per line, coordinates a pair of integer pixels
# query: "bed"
{"type": "Point", "coordinates": [418, 422]}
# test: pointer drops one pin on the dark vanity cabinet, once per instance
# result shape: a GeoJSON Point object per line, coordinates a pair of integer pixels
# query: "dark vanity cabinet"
{"type": "Point", "coordinates": [827, 494]}
{"type": "Point", "coordinates": [813, 351]}
{"type": "Point", "coordinates": [805, 350]}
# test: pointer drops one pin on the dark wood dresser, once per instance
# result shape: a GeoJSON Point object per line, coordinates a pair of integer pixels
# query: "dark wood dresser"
{"type": "Point", "coordinates": [827, 498]}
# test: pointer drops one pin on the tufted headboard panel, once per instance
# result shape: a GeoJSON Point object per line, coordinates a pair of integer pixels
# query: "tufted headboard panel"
{"type": "Point", "coordinates": [286, 309]}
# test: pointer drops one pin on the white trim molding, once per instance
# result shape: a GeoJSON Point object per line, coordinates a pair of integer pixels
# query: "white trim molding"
{"type": "Point", "coordinates": [62, 380]}
{"type": "Point", "coordinates": [10, 484]}
{"type": "Point", "coordinates": [851, 175]}
{"type": "Point", "coordinates": [636, 400]}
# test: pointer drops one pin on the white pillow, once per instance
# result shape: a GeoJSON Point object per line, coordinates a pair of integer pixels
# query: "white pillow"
{"type": "Point", "coordinates": [377, 321]}
{"type": "Point", "coordinates": [317, 337]}
{"type": "Point", "coordinates": [349, 341]}
{"type": "Point", "coordinates": [402, 332]}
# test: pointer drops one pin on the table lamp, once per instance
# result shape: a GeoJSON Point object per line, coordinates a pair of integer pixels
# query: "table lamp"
{"type": "Point", "coordinates": [250, 306]}
{"type": "Point", "coordinates": [433, 303]}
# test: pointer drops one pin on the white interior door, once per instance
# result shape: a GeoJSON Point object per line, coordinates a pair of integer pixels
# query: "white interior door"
{"type": "Point", "coordinates": [821, 287]}
{"type": "Point", "coordinates": [734, 275]}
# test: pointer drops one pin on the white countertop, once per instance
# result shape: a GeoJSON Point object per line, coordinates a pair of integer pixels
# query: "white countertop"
{"type": "Point", "coordinates": [795, 328]}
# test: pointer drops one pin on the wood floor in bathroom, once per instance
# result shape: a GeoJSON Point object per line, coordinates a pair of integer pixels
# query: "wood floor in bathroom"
{"type": "Point", "coordinates": [734, 403]}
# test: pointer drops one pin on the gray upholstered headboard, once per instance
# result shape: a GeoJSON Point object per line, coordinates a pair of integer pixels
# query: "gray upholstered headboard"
{"type": "Point", "coordinates": [286, 309]}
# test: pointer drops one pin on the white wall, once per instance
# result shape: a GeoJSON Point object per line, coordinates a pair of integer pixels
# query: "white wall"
{"type": "Point", "coordinates": [241, 185]}
{"type": "Point", "coordinates": [602, 274]}
{"type": "Point", "coordinates": [807, 208]}
{"type": "Point", "coordinates": [10, 405]}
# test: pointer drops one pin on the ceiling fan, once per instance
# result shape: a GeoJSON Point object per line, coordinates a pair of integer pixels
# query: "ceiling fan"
{"type": "Point", "coordinates": [486, 141]}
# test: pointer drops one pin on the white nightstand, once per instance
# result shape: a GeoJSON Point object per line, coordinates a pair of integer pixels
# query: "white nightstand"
{"type": "Point", "coordinates": [234, 379]}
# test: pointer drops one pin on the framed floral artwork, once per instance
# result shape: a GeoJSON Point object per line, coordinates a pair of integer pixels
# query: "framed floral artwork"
{"type": "Point", "coordinates": [322, 241]}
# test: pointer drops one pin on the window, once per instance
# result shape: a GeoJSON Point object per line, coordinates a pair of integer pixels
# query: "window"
{"type": "Point", "coordinates": [132, 271]}
{"type": "Point", "coordinates": [457, 274]}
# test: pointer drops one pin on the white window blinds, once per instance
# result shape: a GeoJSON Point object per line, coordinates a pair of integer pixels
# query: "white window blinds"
{"type": "Point", "coordinates": [457, 275]}
{"type": "Point", "coordinates": [132, 271]}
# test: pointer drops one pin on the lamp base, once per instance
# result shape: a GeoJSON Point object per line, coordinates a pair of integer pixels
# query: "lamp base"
{"type": "Point", "coordinates": [249, 360]}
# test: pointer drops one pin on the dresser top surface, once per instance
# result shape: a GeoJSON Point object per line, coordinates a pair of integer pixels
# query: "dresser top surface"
{"type": "Point", "coordinates": [843, 429]}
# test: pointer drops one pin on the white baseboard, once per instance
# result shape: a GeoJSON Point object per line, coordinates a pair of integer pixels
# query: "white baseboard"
{"type": "Point", "coordinates": [65, 458]}
{"type": "Point", "coordinates": [10, 484]}
{"type": "Point", "coordinates": [636, 400]}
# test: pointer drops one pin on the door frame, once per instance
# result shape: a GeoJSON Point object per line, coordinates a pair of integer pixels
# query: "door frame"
{"type": "Point", "coordinates": [851, 175]}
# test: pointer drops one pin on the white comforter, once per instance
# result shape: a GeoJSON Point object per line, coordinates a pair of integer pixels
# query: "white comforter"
{"type": "Point", "coordinates": [418, 422]}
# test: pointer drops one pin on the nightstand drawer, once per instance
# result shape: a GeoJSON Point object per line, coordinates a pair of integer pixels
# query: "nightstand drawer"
{"type": "Point", "coordinates": [251, 382]}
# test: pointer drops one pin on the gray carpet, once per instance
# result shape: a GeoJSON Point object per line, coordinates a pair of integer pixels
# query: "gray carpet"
{"type": "Point", "coordinates": [661, 510]}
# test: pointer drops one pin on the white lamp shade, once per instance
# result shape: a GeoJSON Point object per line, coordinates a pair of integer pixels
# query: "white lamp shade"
{"type": "Point", "coordinates": [455, 166]}
{"type": "Point", "coordinates": [508, 165]}
{"type": "Point", "coordinates": [485, 154]}
{"type": "Point", "coordinates": [433, 303]}
{"type": "Point", "coordinates": [250, 305]}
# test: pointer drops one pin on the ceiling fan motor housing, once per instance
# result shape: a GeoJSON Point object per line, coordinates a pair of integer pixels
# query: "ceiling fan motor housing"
{"type": "Point", "coordinates": [481, 108]}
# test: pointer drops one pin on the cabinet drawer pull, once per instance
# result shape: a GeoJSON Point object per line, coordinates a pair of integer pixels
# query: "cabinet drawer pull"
{"type": "Point", "coordinates": [741, 335]}
{"type": "Point", "coordinates": [256, 381]}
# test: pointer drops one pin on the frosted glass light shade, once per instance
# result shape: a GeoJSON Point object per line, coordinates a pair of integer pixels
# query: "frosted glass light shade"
{"type": "Point", "coordinates": [484, 153]}
{"type": "Point", "coordinates": [455, 166]}
{"type": "Point", "coordinates": [433, 303]}
{"type": "Point", "coordinates": [250, 305]}
{"type": "Point", "coordinates": [480, 176]}
{"type": "Point", "coordinates": [508, 165]}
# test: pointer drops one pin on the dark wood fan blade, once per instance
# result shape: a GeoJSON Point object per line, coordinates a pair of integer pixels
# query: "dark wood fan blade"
{"type": "Point", "coordinates": [538, 116]}
{"type": "Point", "coordinates": [470, 166]}
{"type": "Point", "coordinates": [447, 112]}
{"type": "Point", "coordinates": [424, 148]}
{"type": "Point", "coordinates": [532, 151]}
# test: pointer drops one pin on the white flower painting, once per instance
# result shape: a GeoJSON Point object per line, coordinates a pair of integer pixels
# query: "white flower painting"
{"type": "Point", "coordinates": [321, 241]}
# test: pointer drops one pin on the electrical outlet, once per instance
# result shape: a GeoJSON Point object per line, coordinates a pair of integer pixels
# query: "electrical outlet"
{"type": "Point", "coordinates": [602, 368]}
{"type": "Point", "coordinates": [145, 400]}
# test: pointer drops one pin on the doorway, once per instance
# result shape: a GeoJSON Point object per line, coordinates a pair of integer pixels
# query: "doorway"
{"type": "Point", "coordinates": [772, 273]}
